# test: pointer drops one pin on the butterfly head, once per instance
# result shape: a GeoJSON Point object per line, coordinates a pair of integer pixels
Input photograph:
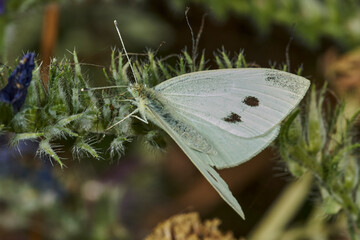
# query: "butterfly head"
{"type": "Point", "coordinates": [141, 94]}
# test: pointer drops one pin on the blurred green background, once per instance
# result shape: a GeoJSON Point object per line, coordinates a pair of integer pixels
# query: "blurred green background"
{"type": "Point", "coordinates": [125, 198]}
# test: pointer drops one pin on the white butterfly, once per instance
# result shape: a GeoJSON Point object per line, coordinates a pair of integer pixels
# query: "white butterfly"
{"type": "Point", "coordinates": [220, 118]}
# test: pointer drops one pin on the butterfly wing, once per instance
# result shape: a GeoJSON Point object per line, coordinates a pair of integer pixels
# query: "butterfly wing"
{"type": "Point", "coordinates": [222, 118]}
{"type": "Point", "coordinates": [237, 111]}
{"type": "Point", "coordinates": [246, 102]}
{"type": "Point", "coordinates": [223, 149]}
{"type": "Point", "coordinates": [200, 160]}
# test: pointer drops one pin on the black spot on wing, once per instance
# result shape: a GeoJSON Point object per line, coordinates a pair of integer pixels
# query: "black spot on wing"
{"type": "Point", "coordinates": [270, 78]}
{"type": "Point", "coordinates": [251, 101]}
{"type": "Point", "coordinates": [232, 118]}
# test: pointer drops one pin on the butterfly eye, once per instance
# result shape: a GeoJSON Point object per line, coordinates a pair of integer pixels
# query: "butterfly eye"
{"type": "Point", "coordinates": [251, 101]}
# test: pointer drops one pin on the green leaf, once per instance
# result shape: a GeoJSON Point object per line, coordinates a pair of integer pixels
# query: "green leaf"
{"type": "Point", "coordinates": [25, 136]}
{"type": "Point", "coordinates": [46, 149]}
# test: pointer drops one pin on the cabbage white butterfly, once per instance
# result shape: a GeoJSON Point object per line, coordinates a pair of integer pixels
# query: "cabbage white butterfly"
{"type": "Point", "coordinates": [219, 118]}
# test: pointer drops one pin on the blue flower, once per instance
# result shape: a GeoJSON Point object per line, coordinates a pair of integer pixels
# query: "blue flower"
{"type": "Point", "coordinates": [2, 6]}
{"type": "Point", "coordinates": [16, 89]}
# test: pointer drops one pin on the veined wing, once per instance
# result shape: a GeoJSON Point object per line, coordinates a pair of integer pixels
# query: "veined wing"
{"type": "Point", "coordinates": [201, 161]}
{"type": "Point", "coordinates": [244, 102]}
{"type": "Point", "coordinates": [224, 149]}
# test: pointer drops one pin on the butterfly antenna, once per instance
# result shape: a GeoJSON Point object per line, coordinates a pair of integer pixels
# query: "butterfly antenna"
{"type": "Point", "coordinates": [102, 88]}
{"type": "Point", "coordinates": [123, 46]}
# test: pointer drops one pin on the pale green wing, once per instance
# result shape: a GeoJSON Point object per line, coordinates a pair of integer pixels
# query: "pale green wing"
{"type": "Point", "coordinates": [201, 161]}
{"type": "Point", "coordinates": [237, 111]}
{"type": "Point", "coordinates": [223, 149]}
{"type": "Point", "coordinates": [246, 102]}
{"type": "Point", "coordinates": [222, 118]}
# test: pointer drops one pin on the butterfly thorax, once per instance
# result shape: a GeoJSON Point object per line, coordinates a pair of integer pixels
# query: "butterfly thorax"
{"type": "Point", "coordinates": [142, 95]}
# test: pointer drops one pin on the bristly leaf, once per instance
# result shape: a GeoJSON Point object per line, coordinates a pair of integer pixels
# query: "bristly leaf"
{"type": "Point", "coordinates": [181, 66]}
{"type": "Point", "coordinates": [117, 147]}
{"type": "Point", "coordinates": [202, 62]}
{"type": "Point", "coordinates": [219, 62]}
{"type": "Point", "coordinates": [226, 59]}
{"type": "Point", "coordinates": [84, 148]}
{"type": "Point", "coordinates": [315, 129]}
{"type": "Point", "coordinates": [47, 149]}
{"type": "Point", "coordinates": [241, 62]}
{"type": "Point", "coordinates": [66, 120]}
{"type": "Point", "coordinates": [324, 145]}
{"type": "Point", "coordinates": [223, 61]}
{"type": "Point", "coordinates": [189, 61]}
{"type": "Point", "coordinates": [25, 136]}
{"type": "Point", "coordinates": [286, 133]}
{"type": "Point", "coordinates": [164, 70]}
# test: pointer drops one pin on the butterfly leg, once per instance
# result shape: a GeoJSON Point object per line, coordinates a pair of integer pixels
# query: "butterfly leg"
{"type": "Point", "coordinates": [126, 117]}
{"type": "Point", "coordinates": [141, 119]}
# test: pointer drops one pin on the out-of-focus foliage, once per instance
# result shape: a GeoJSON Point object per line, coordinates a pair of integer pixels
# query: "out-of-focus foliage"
{"type": "Point", "coordinates": [324, 144]}
{"type": "Point", "coordinates": [343, 74]}
{"type": "Point", "coordinates": [37, 199]}
{"type": "Point", "coordinates": [312, 19]}
{"type": "Point", "coordinates": [317, 226]}
{"type": "Point", "coordinates": [82, 24]}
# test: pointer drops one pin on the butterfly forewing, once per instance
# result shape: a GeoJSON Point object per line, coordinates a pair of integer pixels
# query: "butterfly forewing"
{"type": "Point", "coordinates": [245, 102]}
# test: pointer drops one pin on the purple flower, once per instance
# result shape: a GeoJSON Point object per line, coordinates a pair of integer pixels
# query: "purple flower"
{"type": "Point", "coordinates": [16, 89]}
{"type": "Point", "coordinates": [2, 6]}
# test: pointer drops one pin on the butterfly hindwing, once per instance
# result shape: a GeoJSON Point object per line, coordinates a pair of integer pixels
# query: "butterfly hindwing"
{"type": "Point", "coordinates": [227, 149]}
{"type": "Point", "coordinates": [199, 160]}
